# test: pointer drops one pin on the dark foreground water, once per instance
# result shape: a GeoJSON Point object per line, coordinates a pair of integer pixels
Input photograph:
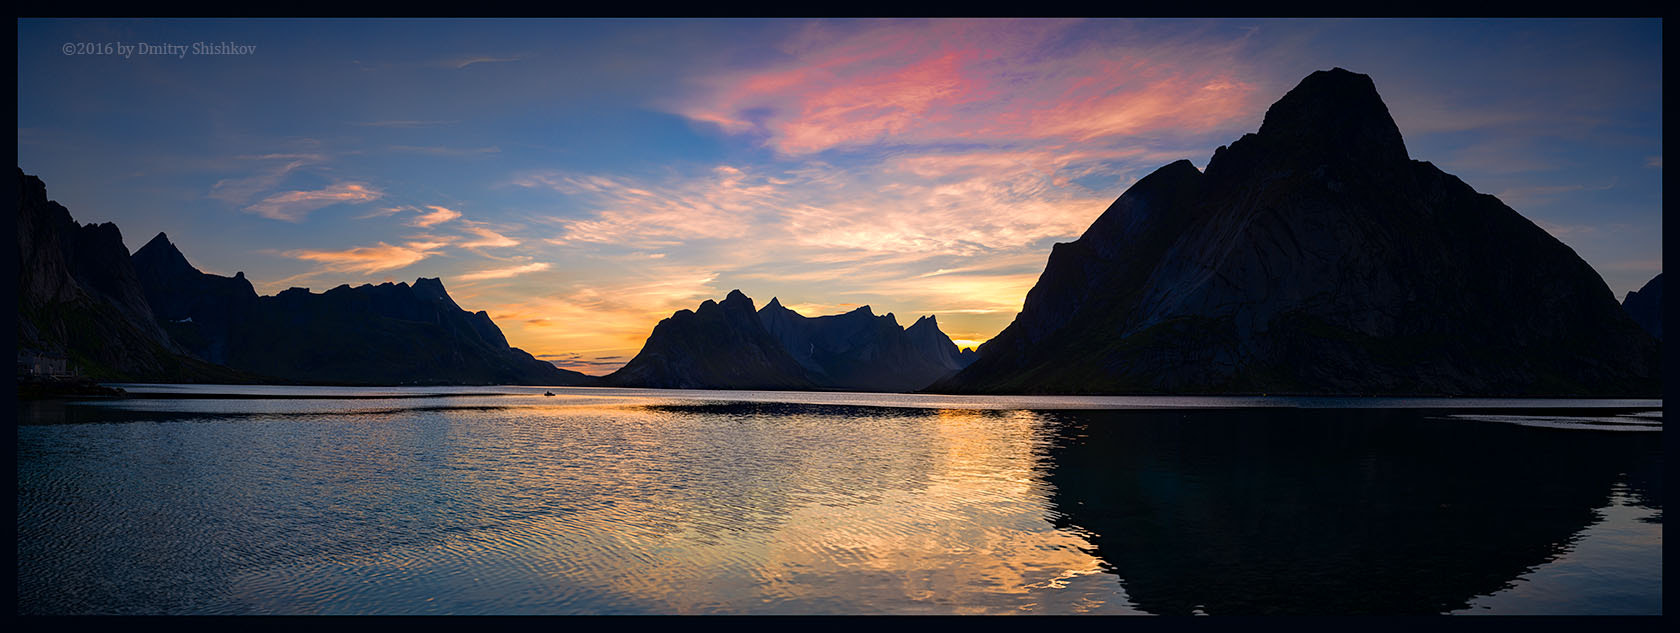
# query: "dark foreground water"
{"type": "Point", "coordinates": [503, 501]}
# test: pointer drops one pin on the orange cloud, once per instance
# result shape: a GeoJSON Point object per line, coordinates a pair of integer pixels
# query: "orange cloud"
{"type": "Point", "coordinates": [293, 206]}
{"type": "Point", "coordinates": [369, 259]}
{"type": "Point", "coordinates": [438, 215]}
{"type": "Point", "coordinates": [503, 273]}
{"type": "Point", "coordinates": [488, 239]}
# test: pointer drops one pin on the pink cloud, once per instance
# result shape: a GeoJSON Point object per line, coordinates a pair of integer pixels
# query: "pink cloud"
{"type": "Point", "coordinates": [973, 81]}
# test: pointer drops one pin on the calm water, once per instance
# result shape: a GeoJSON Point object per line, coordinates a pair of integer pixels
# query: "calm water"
{"type": "Point", "coordinates": [503, 501]}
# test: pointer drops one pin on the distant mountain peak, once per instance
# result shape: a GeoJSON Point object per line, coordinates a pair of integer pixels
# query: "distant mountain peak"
{"type": "Point", "coordinates": [775, 302]}
{"type": "Point", "coordinates": [164, 255]}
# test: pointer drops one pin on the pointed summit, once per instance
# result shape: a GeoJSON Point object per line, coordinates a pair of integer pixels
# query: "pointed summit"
{"type": "Point", "coordinates": [1335, 113]}
{"type": "Point", "coordinates": [162, 255]}
{"type": "Point", "coordinates": [1316, 257]}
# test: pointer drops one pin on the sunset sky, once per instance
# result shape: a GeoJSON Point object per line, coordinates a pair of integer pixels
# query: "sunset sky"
{"type": "Point", "coordinates": [582, 179]}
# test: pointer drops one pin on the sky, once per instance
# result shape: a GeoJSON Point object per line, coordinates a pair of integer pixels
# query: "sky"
{"type": "Point", "coordinates": [580, 180]}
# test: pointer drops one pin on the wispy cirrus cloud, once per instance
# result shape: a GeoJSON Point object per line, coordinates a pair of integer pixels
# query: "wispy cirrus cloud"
{"type": "Point", "coordinates": [504, 273]}
{"type": "Point", "coordinates": [370, 259]}
{"type": "Point", "coordinates": [402, 123]}
{"type": "Point", "coordinates": [275, 168]}
{"type": "Point", "coordinates": [437, 215]}
{"type": "Point", "coordinates": [294, 206]}
{"type": "Point", "coordinates": [487, 238]}
{"type": "Point", "coordinates": [973, 81]}
{"type": "Point", "coordinates": [468, 60]}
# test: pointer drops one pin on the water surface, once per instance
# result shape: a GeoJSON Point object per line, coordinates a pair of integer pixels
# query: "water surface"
{"type": "Point", "coordinates": [500, 500]}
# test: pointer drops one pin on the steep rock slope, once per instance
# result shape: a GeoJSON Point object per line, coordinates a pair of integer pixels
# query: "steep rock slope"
{"type": "Point", "coordinates": [1315, 257]}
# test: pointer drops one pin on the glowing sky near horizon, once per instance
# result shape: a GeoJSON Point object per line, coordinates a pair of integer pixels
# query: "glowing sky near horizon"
{"type": "Point", "coordinates": [582, 179]}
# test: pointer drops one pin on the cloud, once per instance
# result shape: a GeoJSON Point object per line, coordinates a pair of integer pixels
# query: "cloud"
{"type": "Point", "coordinates": [503, 273]}
{"type": "Point", "coordinates": [243, 190]}
{"type": "Point", "coordinates": [438, 150]}
{"type": "Point", "coordinates": [463, 62]}
{"type": "Point", "coordinates": [1653, 161]}
{"type": "Point", "coordinates": [293, 206]}
{"type": "Point", "coordinates": [402, 123]}
{"type": "Point", "coordinates": [488, 239]}
{"type": "Point", "coordinates": [370, 259]}
{"type": "Point", "coordinates": [437, 216]}
{"type": "Point", "coordinates": [969, 81]}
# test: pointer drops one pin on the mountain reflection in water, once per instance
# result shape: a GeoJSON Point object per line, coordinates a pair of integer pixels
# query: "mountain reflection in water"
{"type": "Point", "coordinates": [1332, 511]}
{"type": "Point", "coordinates": [630, 501]}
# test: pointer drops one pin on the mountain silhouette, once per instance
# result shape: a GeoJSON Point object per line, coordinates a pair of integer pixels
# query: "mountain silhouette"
{"type": "Point", "coordinates": [80, 300]}
{"type": "Point", "coordinates": [384, 334]}
{"type": "Point", "coordinates": [1315, 257]}
{"type": "Point", "coordinates": [728, 345]}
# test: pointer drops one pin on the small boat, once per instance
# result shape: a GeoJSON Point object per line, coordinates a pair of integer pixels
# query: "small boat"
{"type": "Point", "coordinates": [548, 393]}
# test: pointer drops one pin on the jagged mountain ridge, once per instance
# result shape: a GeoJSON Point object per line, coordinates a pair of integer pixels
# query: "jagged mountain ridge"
{"type": "Point", "coordinates": [1315, 257]}
{"type": "Point", "coordinates": [369, 334]}
{"type": "Point", "coordinates": [729, 345]}
{"type": "Point", "coordinates": [79, 298]}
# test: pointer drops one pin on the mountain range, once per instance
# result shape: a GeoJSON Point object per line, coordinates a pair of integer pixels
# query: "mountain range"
{"type": "Point", "coordinates": [1315, 257]}
{"type": "Point", "coordinates": [729, 345]}
{"type": "Point", "coordinates": [153, 316]}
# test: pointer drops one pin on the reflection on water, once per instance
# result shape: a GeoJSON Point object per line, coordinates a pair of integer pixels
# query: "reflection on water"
{"type": "Point", "coordinates": [607, 501]}
{"type": "Point", "coordinates": [1327, 511]}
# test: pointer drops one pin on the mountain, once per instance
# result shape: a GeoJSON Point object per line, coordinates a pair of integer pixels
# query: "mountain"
{"type": "Point", "coordinates": [1315, 257]}
{"type": "Point", "coordinates": [384, 334]}
{"type": "Point", "coordinates": [729, 346]}
{"type": "Point", "coordinates": [718, 346]}
{"type": "Point", "coordinates": [1645, 306]}
{"type": "Point", "coordinates": [79, 299]}
{"type": "Point", "coordinates": [858, 351]}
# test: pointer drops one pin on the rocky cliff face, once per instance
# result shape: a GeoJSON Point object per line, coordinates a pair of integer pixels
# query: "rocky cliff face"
{"type": "Point", "coordinates": [728, 346]}
{"type": "Point", "coordinates": [1645, 306]}
{"type": "Point", "coordinates": [80, 298]}
{"type": "Point", "coordinates": [1315, 257]}
{"type": "Point", "coordinates": [384, 334]}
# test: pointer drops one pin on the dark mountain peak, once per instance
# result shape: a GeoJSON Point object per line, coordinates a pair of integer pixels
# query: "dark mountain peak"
{"type": "Point", "coordinates": [864, 310]}
{"type": "Point", "coordinates": [737, 300]}
{"type": "Point", "coordinates": [161, 240]}
{"type": "Point", "coordinates": [430, 288]}
{"type": "Point", "coordinates": [1335, 113]}
{"type": "Point", "coordinates": [161, 254]}
{"type": "Point", "coordinates": [775, 302]}
{"type": "Point", "coordinates": [926, 321]}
